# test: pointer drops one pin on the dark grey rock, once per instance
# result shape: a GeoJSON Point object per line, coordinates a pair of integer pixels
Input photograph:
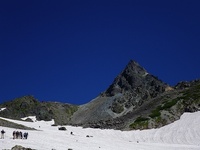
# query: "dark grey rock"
{"type": "Point", "coordinates": [62, 128]}
{"type": "Point", "coordinates": [18, 147]}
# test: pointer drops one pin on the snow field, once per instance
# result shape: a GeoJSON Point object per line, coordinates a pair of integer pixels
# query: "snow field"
{"type": "Point", "coordinates": [183, 134]}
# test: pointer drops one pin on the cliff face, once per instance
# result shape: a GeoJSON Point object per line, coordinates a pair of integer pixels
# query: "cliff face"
{"type": "Point", "coordinates": [135, 85]}
{"type": "Point", "coordinates": [132, 88]}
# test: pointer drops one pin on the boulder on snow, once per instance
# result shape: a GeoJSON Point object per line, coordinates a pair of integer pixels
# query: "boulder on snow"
{"type": "Point", "coordinates": [19, 147]}
{"type": "Point", "coordinates": [62, 128]}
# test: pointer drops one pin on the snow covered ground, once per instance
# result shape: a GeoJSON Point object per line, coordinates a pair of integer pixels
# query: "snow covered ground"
{"type": "Point", "coordinates": [183, 134]}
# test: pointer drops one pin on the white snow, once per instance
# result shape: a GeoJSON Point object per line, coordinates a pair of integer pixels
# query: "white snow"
{"type": "Point", "coordinates": [183, 134]}
{"type": "Point", "coordinates": [33, 118]}
{"type": "Point", "coordinates": [145, 74]}
{"type": "Point", "coordinates": [2, 109]}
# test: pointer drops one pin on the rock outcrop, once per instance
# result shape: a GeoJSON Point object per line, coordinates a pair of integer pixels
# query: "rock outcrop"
{"type": "Point", "coordinates": [19, 147]}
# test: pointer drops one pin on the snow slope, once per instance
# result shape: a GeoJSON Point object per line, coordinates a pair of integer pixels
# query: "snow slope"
{"type": "Point", "coordinates": [183, 134]}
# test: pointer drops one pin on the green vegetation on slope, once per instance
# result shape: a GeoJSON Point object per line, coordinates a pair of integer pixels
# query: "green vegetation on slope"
{"type": "Point", "coordinates": [187, 100]}
{"type": "Point", "coordinates": [140, 122]}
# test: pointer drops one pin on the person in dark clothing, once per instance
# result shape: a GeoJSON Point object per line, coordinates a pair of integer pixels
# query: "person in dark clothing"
{"type": "Point", "coordinates": [20, 135]}
{"type": "Point", "coordinates": [17, 134]}
{"type": "Point", "coordinates": [25, 135]}
{"type": "Point", "coordinates": [14, 134]}
{"type": "Point", "coordinates": [2, 134]}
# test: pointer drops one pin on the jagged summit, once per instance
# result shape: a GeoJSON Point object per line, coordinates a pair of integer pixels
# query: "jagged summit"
{"type": "Point", "coordinates": [134, 67]}
{"type": "Point", "coordinates": [134, 77]}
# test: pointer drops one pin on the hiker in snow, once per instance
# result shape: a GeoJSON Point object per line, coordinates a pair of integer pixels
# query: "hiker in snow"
{"type": "Point", "coordinates": [14, 134]}
{"type": "Point", "coordinates": [2, 134]}
{"type": "Point", "coordinates": [25, 135]}
{"type": "Point", "coordinates": [20, 135]}
{"type": "Point", "coordinates": [17, 134]}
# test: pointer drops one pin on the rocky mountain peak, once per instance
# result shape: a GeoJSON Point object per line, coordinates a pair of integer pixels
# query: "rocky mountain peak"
{"type": "Point", "coordinates": [134, 67]}
{"type": "Point", "coordinates": [135, 79]}
{"type": "Point", "coordinates": [131, 89]}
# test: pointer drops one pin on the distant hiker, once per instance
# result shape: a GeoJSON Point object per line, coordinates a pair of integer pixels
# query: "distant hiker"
{"type": "Point", "coordinates": [25, 135]}
{"type": "Point", "coordinates": [17, 134]}
{"type": "Point", "coordinates": [14, 134]}
{"type": "Point", "coordinates": [2, 134]}
{"type": "Point", "coordinates": [20, 135]}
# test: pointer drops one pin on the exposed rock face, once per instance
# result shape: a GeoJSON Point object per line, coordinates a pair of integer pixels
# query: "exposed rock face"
{"type": "Point", "coordinates": [133, 87]}
{"type": "Point", "coordinates": [156, 112]}
{"type": "Point", "coordinates": [186, 98]}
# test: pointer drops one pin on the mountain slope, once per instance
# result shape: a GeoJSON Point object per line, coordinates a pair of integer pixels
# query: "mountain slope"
{"type": "Point", "coordinates": [159, 111]}
{"type": "Point", "coordinates": [29, 106]}
{"type": "Point", "coordinates": [131, 89]}
{"type": "Point", "coordinates": [138, 100]}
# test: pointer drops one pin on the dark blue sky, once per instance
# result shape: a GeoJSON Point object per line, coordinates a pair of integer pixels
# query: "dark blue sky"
{"type": "Point", "coordinates": [70, 51]}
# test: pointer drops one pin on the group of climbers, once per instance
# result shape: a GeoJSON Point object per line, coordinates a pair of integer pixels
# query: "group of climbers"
{"type": "Point", "coordinates": [16, 135]}
{"type": "Point", "coordinates": [20, 135]}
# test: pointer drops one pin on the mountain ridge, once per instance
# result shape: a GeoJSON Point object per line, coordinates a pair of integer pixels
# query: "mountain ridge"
{"type": "Point", "coordinates": [134, 100]}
